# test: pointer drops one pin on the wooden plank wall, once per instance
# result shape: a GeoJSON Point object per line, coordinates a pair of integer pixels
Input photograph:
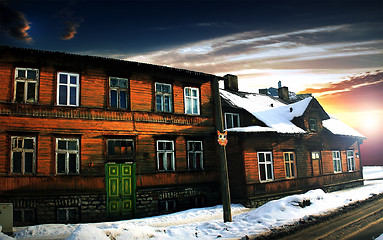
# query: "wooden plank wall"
{"type": "Point", "coordinates": [93, 122]}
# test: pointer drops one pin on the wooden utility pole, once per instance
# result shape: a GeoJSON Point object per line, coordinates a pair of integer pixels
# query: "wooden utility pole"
{"type": "Point", "coordinates": [225, 189]}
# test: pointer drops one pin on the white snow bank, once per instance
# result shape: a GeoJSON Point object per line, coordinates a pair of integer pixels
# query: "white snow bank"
{"type": "Point", "coordinates": [89, 232]}
{"type": "Point", "coordinates": [206, 223]}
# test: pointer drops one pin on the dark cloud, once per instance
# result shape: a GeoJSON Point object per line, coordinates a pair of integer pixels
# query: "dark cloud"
{"type": "Point", "coordinates": [14, 23]}
{"type": "Point", "coordinates": [70, 30]}
{"type": "Point", "coordinates": [70, 21]}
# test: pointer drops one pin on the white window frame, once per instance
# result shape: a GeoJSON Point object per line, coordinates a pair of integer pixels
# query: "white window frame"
{"type": "Point", "coordinates": [337, 161]}
{"type": "Point", "coordinates": [190, 100]}
{"type": "Point", "coordinates": [68, 85]}
{"type": "Point", "coordinates": [194, 153]}
{"type": "Point", "coordinates": [290, 165]}
{"type": "Point", "coordinates": [165, 155]}
{"type": "Point", "coordinates": [265, 164]}
{"type": "Point", "coordinates": [163, 95]}
{"type": "Point", "coordinates": [119, 90]}
{"type": "Point", "coordinates": [232, 115]}
{"type": "Point", "coordinates": [22, 150]}
{"type": "Point", "coordinates": [67, 152]}
{"type": "Point", "coordinates": [350, 160]}
{"type": "Point", "coordinates": [26, 82]}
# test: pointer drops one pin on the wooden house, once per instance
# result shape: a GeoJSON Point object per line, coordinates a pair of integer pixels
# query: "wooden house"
{"type": "Point", "coordinates": [284, 145]}
{"type": "Point", "coordinates": [88, 138]}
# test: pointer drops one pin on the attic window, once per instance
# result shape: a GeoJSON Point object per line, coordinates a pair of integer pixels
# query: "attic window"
{"type": "Point", "coordinates": [313, 125]}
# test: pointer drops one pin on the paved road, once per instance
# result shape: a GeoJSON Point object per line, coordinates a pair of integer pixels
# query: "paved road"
{"type": "Point", "coordinates": [362, 222]}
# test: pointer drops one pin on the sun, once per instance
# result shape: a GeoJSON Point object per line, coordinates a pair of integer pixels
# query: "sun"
{"type": "Point", "coordinates": [371, 121]}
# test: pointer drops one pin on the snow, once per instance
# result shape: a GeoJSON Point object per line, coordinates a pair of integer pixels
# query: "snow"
{"type": "Point", "coordinates": [338, 127]}
{"type": "Point", "coordinates": [275, 114]}
{"type": "Point", "coordinates": [206, 223]}
{"type": "Point", "coordinates": [251, 129]}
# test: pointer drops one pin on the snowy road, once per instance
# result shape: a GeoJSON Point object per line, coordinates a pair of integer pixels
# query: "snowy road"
{"type": "Point", "coordinates": [361, 221]}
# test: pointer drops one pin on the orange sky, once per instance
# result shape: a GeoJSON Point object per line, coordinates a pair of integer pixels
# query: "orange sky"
{"type": "Point", "coordinates": [357, 101]}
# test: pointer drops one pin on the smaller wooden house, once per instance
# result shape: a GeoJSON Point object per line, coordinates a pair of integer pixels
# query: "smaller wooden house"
{"type": "Point", "coordinates": [284, 145]}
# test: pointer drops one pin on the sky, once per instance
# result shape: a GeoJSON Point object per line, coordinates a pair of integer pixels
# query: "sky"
{"type": "Point", "coordinates": [207, 223]}
{"type": "Point", "coordinates": [333, 49]}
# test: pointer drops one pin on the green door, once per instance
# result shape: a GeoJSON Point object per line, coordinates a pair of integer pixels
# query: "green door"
{"type": "Point", "coordinates": [120, 189]}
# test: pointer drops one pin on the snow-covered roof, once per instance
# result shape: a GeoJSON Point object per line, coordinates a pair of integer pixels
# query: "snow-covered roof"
{"type": "Point", "coordinates": [277, 115]}
{"type": "Point", "coordinates": [338, 127]}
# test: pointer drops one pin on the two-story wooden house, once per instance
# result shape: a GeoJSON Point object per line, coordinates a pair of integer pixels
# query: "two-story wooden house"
{"type": "Point", "coordinates": [83, 137]}
{"type": "Point", "coordinates": [283, 145]}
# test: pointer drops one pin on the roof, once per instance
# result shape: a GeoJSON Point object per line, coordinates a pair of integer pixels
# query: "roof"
{"type": "Point", "coordinates": [278, 115]}
{"type": "Point", "coordinates": [138, 66]}
{"type": "Point", "coordinates": [338, 127]}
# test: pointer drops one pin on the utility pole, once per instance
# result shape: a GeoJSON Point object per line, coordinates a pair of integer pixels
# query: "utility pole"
{"type": "Point", "coordinates": [225, 189]}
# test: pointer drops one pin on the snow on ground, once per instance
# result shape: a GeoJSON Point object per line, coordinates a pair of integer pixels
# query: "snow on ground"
{"type": "Point", "coordinates": [207, 223]}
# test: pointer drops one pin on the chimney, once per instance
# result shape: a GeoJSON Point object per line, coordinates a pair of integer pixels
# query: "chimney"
{"type": "Point", "coordinates": [279, 84]}
{"type": "Point", "coordinates": [283, 93]}
{"type": "Point", "coordinates": [264, 91]}
{"type": "Point", "coordinates": [231, 82]}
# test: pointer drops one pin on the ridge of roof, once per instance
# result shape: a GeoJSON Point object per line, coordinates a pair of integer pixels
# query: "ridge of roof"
{"type": "Point", "coordinates": [98, 58]}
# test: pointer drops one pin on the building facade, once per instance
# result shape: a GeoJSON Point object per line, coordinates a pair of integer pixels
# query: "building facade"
{"type": "Point", "coordinates": [285, 145]}
{"type": "Point", "coordinates": [89, 139]}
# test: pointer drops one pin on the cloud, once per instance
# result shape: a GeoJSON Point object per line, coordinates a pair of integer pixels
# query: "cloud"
{"type": "Point", "coordinates": [358, 93]}
{"type": "Point", "coordinates": [263, 50]}
{"type": "Point", "coordinates": [70, 30]}
{"type": "Point", "coordinates": [14, 23]}
{"type": "Point", "coordinates": [354, 82]}
{"type": "Point", "coordinates": [71, 23]}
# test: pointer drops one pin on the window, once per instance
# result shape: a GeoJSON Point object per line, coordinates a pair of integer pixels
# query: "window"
{"type": "Point", "coordinates": [67, 156]}
{"type": "Point", "coordinates": [120, 149]}
{"type": "Point", "coordinates": [165, 155]}
{"type": "Point", "coordinates": [231, 120]}
{"type": "Point", "coordinates": [67, 215]}
{"type": "Point", "coordinates": [289, 158]}
{"type": "Point", "coordinates": [24, 216]}
{"type": "Point", "coordinates": [265, 165]}
{"type": "Point", "coordinates": [163, 97]}
{"type": "Point", "coordinates": [118, 92]}
{"type": "Point", "coordinates": [26, 82]}
{"type": "Point", "coordinates": [23, 156]}
{"type": "Point", "coordinates": [165, 206]}
{"type": "Point", "coordinates": [313, 124]}
{"type": "Point", "coordinates": [197, 202]}
{"type": "Point", "coordinates": [316, 163]}
{"type": "Point", "coordinates": [195, 155]}
{"type": "Point", "coordinates": [337, 161]}
{"type": "Point", "coordinates": [350, 160]}
{"type": "Point", "coordinates": [191, 100]}
{"type": "Point", "coordinates": [68, 88]}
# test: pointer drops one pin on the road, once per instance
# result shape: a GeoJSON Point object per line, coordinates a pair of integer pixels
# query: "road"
{"type": "Point", "coordinates": [364, 221]}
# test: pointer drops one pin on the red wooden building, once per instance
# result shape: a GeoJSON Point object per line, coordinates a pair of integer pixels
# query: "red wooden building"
{"type": "Point", "coordinates": [87, 137]}
{"type": "Point", "coordinates": [286, 144]}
